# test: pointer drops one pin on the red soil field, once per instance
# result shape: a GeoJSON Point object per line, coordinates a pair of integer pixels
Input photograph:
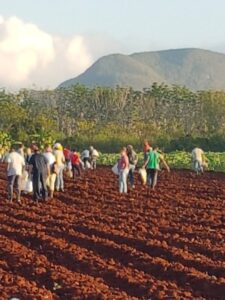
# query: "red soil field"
{"type": "Point", "coordinates": [90, 242]}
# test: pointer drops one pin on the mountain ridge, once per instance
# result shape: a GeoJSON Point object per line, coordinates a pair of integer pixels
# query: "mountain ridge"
{"type": "Point", "coordinates": [194, 68]}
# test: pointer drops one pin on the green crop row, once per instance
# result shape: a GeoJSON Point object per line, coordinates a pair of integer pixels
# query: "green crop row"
{"type": "Point", "coordinates": [176, 160]}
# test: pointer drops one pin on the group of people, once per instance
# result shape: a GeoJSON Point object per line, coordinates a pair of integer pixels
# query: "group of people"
{"type": "Point", "coordinates": [45, 170]}
{"type": "Point", "coordinates": [128, 161]}
{"type": "Point", "coordinates": [153, 160]}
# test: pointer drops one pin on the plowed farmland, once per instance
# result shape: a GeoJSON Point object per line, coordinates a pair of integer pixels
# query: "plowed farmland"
{"type": "Point", "coordinates": [90, 242]}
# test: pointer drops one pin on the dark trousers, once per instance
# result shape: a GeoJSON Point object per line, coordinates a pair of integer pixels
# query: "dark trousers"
{"type": "Point", "coordinates": [39, 186]}
{"type": "Point", "coordinates": [75, 169]}
{"type": "Point", "coordinates": [14, 180]}
{"type": "Point", "coordinates": [131, 174]}
{"type": "Point", "coordinates": [152, 175]}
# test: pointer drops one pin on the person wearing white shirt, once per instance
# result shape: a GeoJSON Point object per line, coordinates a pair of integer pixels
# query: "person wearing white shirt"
{"type": "Point", "coordinates": [198, 159]}
{"type": "Point", "coordinates": [16, 164]}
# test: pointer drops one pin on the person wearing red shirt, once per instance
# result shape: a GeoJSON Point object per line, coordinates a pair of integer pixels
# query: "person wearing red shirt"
{"type": "Point", "coordinates": [67, 154]}
{"type": "Point", "coordinates": [75, 160]}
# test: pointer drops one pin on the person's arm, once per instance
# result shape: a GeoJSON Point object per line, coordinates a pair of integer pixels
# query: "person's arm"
{"type": "Point", "coordinates": [164, 162]}
{"type": "Point", "coordinates": [145, 163]}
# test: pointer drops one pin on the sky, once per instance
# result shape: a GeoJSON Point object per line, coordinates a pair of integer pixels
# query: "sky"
{"type": "Point", "coordinates": [45, 42]}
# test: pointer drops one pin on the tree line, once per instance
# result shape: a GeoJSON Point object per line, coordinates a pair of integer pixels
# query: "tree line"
{"type": "Point", "coordinates": [173, 117]}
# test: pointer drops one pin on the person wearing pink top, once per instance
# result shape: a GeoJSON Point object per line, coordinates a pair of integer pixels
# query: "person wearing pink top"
{"type": "Point", "coordinates": [123, 168]}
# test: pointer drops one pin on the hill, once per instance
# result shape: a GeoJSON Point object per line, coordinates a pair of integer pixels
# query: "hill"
{"type": "Point", "coordinates": [195, 68]}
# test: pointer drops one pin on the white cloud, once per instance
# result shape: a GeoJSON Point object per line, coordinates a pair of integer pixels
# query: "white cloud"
{"type": "Point", "coordinates": [77, 53]}
{"type": "Point", "coordinates": [30, 56]}
{"type": "Point", "coordinates": [23, 48]}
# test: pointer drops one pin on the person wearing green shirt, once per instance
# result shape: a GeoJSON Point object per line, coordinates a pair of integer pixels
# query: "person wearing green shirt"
{"type": "Point", "coordinates": [154, 157]}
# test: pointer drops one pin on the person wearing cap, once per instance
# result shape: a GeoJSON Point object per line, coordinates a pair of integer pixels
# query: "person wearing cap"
{"type": "Point", "coordinates": [60, 163]}
{"type": "Point", "coordinates": [39, 169]}
{"type": "Point", "coordinates": [133, 159]}
{"type": "Point", "coordinates": [53, 171]}
{"type": "Point", "coordinates": [15, 168]}
{"type": "Point", "coordinates": [93, 153]}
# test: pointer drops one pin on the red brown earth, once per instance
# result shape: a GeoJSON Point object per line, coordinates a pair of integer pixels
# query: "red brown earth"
{"type": "Point", "coordinates": [93, 243]}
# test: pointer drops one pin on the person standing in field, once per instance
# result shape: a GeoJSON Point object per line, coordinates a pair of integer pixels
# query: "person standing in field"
{"type": "Point", "coordinates": [154, 157]}
{"type": "Point", "coordinates": [52, 168]}
{"type": "Point", "coordinates": [85, 157]}
{"type": "Point", "coordinates": [75, 160]}
{"type": "Point", "coordinates": [60, 163]}
{"type": "Point", "coordinates": [93, 153]}
{"type": "Point", "coordinates": [133, 159]}
{"type": "Point", "coordinates": [39, 169]}
{"type": "Point", "coordinates": [198, 159]}
{"type": "Point", "coordinates": [123, 168]}
{"type": "Point", "coordinates": [16, 165]}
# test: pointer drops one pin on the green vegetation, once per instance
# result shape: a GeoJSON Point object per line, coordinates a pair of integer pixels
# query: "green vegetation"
{"type": "Point", "coordinates": [173, 117]}
{"type": "Point", "coordinates": [176, 160]}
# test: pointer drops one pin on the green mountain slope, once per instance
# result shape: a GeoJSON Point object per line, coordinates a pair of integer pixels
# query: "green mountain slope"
{"type": "Point", "coordinates": [195, 68]}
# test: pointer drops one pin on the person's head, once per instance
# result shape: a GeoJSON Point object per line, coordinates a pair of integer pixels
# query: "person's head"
{"type": "Point", "coordinates": [91, 148]}
{"type": "Point", "coordinates": [34, 148]}
{"type": "Point", "coordinates": [12, 149]}
{"type": "Point", "coordinates": [129, 148]}
{"type": "Point", "coordinates": [146, 143]}
{"type": "Point", "coordinates": [155, 148]}
{"type": "Point", "coordinates": [48, 148]}
{"type": "Point", "coordinates": [21, 146]}
{"type": "Point", "coordinates": [58, 146]}
{"type": "Point", "coordinates": [74, 150]}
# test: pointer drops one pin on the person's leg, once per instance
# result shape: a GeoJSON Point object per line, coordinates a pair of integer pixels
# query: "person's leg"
{"type": "Point", "coordinates": [18, 187]}
{"type": "Point", "coordinates": [196, 166]}
{"type": "Point", "coordinates": [77, 167]}
{"type": "Point", "coordinates": [73, 171]}
{"type": "Point", "coordinates": [149, 177]}
{"type": "Point", "coordinates": [36, 186]}
{"type": "Point", "coordinates": [44, 190]}
{"type": "Point", "coordinates": [52, 184]}
{"type": "Point", "coordinates": [124, 180]}
{"type": "Point", "coordinates": [155, 177]}
{"type": "Point", "coordinates": [120, 182]}
{"type": "Point", "coordinates": [94, 163]}
{"type": "Point", "coordinates": [61, 181]}
{"type": "Point", "coordinates": [131, 175]}
{"type": "Point", "coordinates": [85, 162]}
{"type": "Point", "coordinates": [11, 180]}
{"type": "Point", "coordinates": [152, 174]}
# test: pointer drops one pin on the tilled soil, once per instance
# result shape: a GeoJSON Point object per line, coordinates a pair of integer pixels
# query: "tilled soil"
{"type": "Point", "coordinates": [90, 242]}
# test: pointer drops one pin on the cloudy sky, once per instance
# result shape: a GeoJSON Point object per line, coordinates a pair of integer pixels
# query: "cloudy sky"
{"type": "Point", "coordinates": [45, 42]}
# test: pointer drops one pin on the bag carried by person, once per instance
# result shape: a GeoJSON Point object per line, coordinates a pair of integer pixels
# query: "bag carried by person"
{"type": "Point", "coordinates": [115, 169]}
{"type": "Point", "coordinates": [28, 186]}
{"type": "Point", "coordinates": [143, 175]}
